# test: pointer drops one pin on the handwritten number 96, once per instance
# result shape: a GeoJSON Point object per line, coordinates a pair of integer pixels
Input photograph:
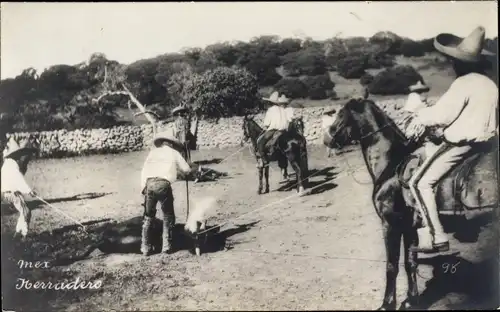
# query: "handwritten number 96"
{"type": "Point", "coordinates": [450, 268]}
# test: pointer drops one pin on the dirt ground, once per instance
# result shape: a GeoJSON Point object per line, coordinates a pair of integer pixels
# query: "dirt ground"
{"type": "Point", "coordinates": [323, 251]}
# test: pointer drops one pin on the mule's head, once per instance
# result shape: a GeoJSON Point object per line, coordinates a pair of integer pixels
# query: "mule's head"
{"type": "Point", "coordinates": [343, 128]}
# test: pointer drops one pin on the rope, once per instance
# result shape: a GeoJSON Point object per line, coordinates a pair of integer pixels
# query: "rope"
{"type": "Point", "coordinates": [62, 213]}
{"type": "Point", "coordinates": [351, 171]}
{"type": "Point", "coordinates": [270, 204]}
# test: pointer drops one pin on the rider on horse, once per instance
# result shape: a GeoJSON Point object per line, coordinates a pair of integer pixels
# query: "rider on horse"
{"type": "Point", "coordinates": [276, 122]}
{"type": "Point", "coordinates": [463, 117]}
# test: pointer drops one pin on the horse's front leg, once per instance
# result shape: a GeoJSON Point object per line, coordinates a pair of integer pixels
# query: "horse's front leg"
{"type": "Point", "coordinates": [410, 239]}
{"type": "Point", "coordinates": [392, 239]}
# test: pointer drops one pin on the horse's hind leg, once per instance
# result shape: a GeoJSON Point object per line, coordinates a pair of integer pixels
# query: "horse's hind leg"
{"type": "Point", "coordinates": [300, 178]}
{"type": "Point", "coordinates": [392, 239]}
{"type": "Point", "coordinates": [283, 164]}
{"type": "Point", "coordinates": [266, 175]}
{"type": "Point", "coordinates": [410, 239]}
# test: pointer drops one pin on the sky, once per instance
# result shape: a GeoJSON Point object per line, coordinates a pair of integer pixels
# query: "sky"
{"type": "Point", "coordinates": [40, 35]}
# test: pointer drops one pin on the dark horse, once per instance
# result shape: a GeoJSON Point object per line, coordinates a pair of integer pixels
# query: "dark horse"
{"type": "Point", "coordinates": [385, 150]}
{"type": "Point", "coordinates": [291, 147]}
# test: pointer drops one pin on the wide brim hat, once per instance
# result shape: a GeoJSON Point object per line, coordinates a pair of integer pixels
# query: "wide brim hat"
{"type": "Point", "coordinates": [169, 137]}
{"type": "Point", "coordinates": [419, 87]}
{"type": "Point", "coordinates": [468, 49]}
{"type": "Point", "coordinates": [277, 99]}
{"type": "Point", "coordinates": [179, 109]}
{"type": "Point", "coordinates": [414, 103]}
{"type": "Point", "coordinates": [14, 149]}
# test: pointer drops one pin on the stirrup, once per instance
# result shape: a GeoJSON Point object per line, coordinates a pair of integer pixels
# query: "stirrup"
{"type": "Point", "coordinates": [436, 248]}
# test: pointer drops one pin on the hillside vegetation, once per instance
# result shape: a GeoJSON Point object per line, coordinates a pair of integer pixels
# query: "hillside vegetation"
{"type": "Point", "coordinates": [224, 79]}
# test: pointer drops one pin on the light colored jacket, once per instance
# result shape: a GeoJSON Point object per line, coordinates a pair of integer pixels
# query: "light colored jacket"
{"type": "Point", "coordinates": [12, 178]}
{"type": "Point", "coordinates": [467, 111]}
{"type": "Point", "coordinates": [163, 162]}
{"type": "Point", "coordinates": [278, 118]}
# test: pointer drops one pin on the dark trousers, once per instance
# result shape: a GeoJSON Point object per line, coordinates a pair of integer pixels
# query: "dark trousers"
{"type": "Point", "coordinates": [158, 190]}
{"type": "Point", "coordinates": [264, 139]}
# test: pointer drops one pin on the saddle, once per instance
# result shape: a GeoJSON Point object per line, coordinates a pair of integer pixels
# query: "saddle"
{"type": "Point", "coordinates": [472, 185]}
{"type": "Point", "coordinates": [270, 146]}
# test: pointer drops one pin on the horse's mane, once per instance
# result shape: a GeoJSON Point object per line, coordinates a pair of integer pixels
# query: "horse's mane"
{"type": "Point", "coordinates": [386, 120]}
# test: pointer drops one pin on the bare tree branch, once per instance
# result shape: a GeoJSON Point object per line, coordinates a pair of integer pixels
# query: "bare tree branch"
{"type": "Point", "coordinates": [108, 93]}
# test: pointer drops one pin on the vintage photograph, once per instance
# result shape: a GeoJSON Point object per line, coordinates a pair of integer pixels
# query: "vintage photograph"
{"type": "Point", "coordinates": [236, 156]}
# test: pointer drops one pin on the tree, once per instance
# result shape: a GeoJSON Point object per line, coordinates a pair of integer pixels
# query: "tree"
{"type": "Point", "coordinates": [222, 92]}
{"type": "Point", "coordinates": [396, 80]}
{"type": "Point", "coordinates": [309, 62]}
{"type": "Point", "coordinates": [292, 87]}
{"type": "Point", "coordinates": [319, 87]}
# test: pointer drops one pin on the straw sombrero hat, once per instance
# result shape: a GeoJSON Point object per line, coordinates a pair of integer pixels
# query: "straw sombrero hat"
{"type": "Point", "coordinates": [419, 87]}
{"type": "Point", "coordinates": [277, 99]}
{"type": "Point", "coordinates": [414, 103]}
{"type": "Point", "coordinates": [14, 149]}
{"type": "Point", "coordinates": [169, 137]}
{"type": "Point", "coordinates": [468, 49]}
{"type": "Point", "coordinates": [179, 109]}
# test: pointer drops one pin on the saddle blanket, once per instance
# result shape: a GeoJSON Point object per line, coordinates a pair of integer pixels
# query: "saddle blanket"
{"type": "Point", "coordinates": [470, 188]}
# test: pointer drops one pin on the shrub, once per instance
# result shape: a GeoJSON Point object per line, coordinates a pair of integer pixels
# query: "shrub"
{"type": "Point", "coordinates": [352, 67]}
{"type": "Point", "coordinates": [266, 74]}
{"type": "Point", "coordinates": [380, 60]}
{"type": "Point", "coordinates": [388, 40]}
{"type": "Point", "coordinates": [366, 79]}
{"type": "Point", "coordinates": [411, 48]}
{"type": "Point", "coordinates": [309, 62]}
{"type": "Point", "coordinates": [427, 45]}
{"type": "Point", "coordinates": [292, 87]}
{"type": "Point", "coordinates": [394, 80]}
{"type": "Point", "coordinates": [222, 92]}
{"type": "Point", "coordinates": [319, 87]}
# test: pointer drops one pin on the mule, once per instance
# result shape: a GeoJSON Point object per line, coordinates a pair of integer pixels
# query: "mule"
{"type": "Point", "coordinates": [388, 156]}
{"type": "Point", "coordinates": [291, 147]}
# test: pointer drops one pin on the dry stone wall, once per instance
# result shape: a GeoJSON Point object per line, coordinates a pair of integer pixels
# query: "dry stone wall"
{"type": "Point", "coordinates": [224, 133]}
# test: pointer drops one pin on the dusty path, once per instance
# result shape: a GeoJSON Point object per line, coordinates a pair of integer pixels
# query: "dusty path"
{"type": "Point", "coordinates": [322, 251]}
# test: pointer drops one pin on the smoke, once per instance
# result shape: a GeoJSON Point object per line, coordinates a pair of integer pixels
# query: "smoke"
{"type": "Point", "coordinates": [200, 212]}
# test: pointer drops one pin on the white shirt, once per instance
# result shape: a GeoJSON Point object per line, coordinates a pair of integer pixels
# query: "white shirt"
{"type": "Point", "coordinates": [474, 122]}
{"type": "Point", "coordinates": [12, 178]}
{"type": "Point", "coordinates": [278, 118]}
{"type": "Point", "coordinates": [163, 162]}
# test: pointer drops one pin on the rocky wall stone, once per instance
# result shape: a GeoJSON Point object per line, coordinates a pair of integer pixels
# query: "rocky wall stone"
{"type": "Point", "coordinates": [225, 132]}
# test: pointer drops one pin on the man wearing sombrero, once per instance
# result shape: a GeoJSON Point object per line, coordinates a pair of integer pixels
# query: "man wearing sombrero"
{"type": "Point", "coordinates": [277, 119]}
{"type": "Point", "coordinates": [160, 170]}
{"type": "Point", "coordinates": [464, 116]}
{"type": "Point", "coordinates": [14, 187]}
{"type": "Point", "coordinates": [182, 127]}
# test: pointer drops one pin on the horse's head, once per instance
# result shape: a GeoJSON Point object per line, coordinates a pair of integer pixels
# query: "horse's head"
{"type": "Point", "coordinates": [297, 125]}
{"type": "Point", "coordinates": [246, 131]}
{"type": "Point", "coordinates": [344, 127]}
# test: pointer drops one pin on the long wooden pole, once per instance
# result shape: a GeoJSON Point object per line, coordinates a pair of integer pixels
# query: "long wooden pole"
{"type": "Point", "coordinates": [188, 158]}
